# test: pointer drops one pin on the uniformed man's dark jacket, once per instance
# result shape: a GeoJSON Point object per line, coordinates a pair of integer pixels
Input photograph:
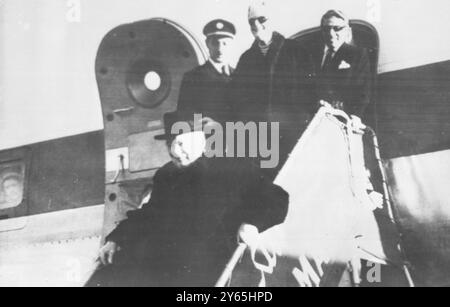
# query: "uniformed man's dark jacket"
{"type": "Point", "coordinates": [190, 224]}
{"type": "Point", "coordinates": [348, 78]}
{"type": "Point", "coordinates": [203, 92]}
{"type": "Point", "coordinates": [277, 87]}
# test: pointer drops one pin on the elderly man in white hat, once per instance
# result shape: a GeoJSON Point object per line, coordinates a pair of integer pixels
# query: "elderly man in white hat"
{"type": "Point", "coordinates": [273, 81]}
{"type": "Point", "coordinates": [185, 235]}
{"type": "Point", "coordinates": [343, 70]}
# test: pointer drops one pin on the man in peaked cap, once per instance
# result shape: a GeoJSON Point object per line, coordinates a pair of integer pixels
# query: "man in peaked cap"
{"type": "Point", "coordinates": [203, 89]}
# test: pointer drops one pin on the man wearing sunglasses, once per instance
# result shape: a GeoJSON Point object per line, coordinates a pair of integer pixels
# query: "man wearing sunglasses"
{"type": "Point", "coordinates": [273, 81]}
{"type": "Point", "coordinates": [343, 70]}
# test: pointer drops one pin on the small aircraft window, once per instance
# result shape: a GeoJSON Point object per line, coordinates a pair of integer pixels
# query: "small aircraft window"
{"type": "Point", "coordinates": [149, 82]}
{"type": "Point", "coordinates": [153, 81]}
{"type": "Point", "coordinates": [11, 185]}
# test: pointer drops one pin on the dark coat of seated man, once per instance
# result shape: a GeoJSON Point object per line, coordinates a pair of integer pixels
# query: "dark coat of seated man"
{"type": "Point", "coordinates": [188, 231]}
{"type": "Point", "coordinates": [344, 78]}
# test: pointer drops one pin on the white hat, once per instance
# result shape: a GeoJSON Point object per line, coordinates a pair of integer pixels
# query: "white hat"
{"type": "Point", "coordinates": [335, 13]}
{"type": "Point", "coordinates": [257, 9]}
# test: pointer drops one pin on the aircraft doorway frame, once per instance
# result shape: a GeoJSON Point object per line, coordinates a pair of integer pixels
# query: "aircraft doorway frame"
{"type": "Point", "coordinates": [128, 58]}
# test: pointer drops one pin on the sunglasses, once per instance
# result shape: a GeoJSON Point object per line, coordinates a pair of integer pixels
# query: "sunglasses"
{"type": "Point", "coordinates": [261, 20]}
{"type": "Point", "coordinates": [327, 29]}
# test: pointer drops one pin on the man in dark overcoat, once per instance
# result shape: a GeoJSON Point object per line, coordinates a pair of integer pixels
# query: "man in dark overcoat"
{"type": "Point", "coordinates": [273, 81]}
{"type": "Point", "coordinates": [188, 231]}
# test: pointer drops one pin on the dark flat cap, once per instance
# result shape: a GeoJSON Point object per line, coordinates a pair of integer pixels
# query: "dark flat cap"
{"type": "Point", "coordinates": [220, 27]}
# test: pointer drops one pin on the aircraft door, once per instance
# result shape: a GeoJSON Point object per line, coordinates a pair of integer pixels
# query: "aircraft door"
{"type": "Point", "coordinates": [139, 69]}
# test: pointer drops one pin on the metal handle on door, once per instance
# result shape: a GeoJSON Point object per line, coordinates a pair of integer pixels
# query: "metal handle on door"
{"type": "Point", "coordinates": [123, 110]}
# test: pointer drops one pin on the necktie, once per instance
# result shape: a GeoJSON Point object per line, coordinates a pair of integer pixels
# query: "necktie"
{"type": "Point", "coordinates": [226, 70]}
{"type": "Point", "coordinates": [328, 59]}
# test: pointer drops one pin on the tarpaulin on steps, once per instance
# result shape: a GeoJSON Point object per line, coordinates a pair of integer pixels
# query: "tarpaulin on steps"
{"type": "Point", "coordinates": [334, 215]}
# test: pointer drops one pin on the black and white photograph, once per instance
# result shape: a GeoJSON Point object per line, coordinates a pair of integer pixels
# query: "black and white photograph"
{"type": "Point", "coordinates": [224, 144]}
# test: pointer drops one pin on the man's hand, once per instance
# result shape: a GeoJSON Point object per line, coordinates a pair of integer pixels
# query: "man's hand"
{"type": "Point", "coordinates": [357, 124]}
{"type": "Point", "coordinates": [326, 104]}
{"type": "Point", "coordinates": [107, 253]}
{"type": "Point", "coordinates": [335, 104]}
{"type": "Point", "coordinates": [249, 234]}
{"type": "Point", "coordinates": [338, 105]}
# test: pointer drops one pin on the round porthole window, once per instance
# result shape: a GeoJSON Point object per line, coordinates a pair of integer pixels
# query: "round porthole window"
{"type": "Point", "coordinates": [149, 83]}
{"type": "Point", "coordinates": [152, 81]}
